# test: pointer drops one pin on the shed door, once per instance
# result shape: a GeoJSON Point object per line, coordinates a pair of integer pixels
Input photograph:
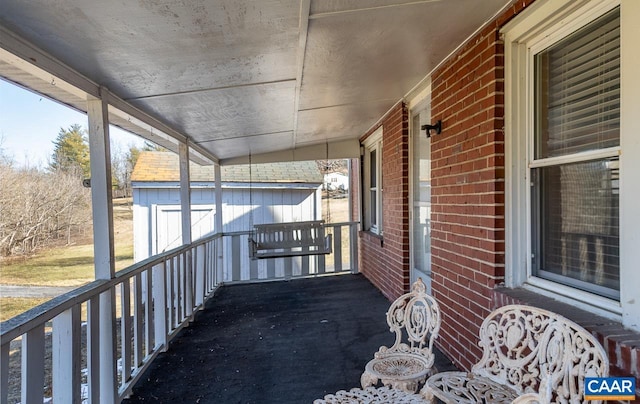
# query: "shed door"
{"type": "Point", "coordinates": [167, 230]}
{"type": "Point", "coordinates": [421, 203]}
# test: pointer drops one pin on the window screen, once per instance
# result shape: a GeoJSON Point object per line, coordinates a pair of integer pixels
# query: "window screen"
{"type": "Point", "coordinates": [577, 216]}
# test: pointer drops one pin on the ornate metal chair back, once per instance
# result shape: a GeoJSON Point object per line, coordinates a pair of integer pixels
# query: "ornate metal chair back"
{"type": "Point", "coordinates": [527, 346]}
{"type": "Point", "coordinates": [415, 319]}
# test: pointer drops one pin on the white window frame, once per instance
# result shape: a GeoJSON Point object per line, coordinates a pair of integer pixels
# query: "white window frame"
{"type": "Point", "coordinates": [372, 143]}
{"type": "Point", "coordinates": [542, 24]}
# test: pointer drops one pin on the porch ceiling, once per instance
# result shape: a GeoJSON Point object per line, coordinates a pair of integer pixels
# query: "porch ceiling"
{"type": "Point", "coordinates": [243, 76]}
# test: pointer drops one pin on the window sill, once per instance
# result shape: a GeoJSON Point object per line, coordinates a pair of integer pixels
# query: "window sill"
{"type": "Point", "coordinates": [372, 236]}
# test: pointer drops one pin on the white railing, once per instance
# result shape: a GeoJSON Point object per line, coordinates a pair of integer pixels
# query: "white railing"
{"type": "Point", "coordinates": [92, 344]}
{"type": "Point", "coordinates": [102, 336]}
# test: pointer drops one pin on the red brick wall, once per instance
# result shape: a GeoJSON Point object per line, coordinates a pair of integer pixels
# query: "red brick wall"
{"type": "Point", "coordinates": [385, 260]}
{"type": "Point", "coordinates": [468, 238]}
{"type": "Point", "coordinates": [468, 188]}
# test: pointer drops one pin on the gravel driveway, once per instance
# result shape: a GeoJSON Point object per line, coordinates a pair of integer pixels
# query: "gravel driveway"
{"type": "Point", "coordinates": [33, 291]}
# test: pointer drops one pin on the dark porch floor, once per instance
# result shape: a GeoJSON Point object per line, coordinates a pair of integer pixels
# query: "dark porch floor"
{"type": "Point", "coordinates": [278, 342]}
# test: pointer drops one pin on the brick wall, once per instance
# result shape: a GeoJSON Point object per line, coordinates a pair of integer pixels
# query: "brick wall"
{"type": "Point", "coordinates": [468, 188]}
{"type": "Point", "coordinates": [468, 237]}
{"type": "Point", "coordinates": [468, 207]}
{"type": "Point", "coordinates": [385, 260]}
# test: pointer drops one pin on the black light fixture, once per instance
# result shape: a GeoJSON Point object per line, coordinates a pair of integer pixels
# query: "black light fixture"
{"type": "Point", "coordinates": [437, 127]}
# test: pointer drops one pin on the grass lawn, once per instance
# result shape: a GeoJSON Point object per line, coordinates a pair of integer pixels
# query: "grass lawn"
{"type": "Point", "coordinates": [12, 306]}
{"type": "Point", "coordinates": [62, 266]}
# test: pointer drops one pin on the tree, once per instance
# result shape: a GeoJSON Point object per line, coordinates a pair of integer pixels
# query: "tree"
{"type": "Point", "coordinates": [71, 152]}
{"type": "Point", "coordinates": [5, 159]}
{"type": "Point", "coordinates": [40, 208]}
{"type": "Point", "coordinates": [331, 166]}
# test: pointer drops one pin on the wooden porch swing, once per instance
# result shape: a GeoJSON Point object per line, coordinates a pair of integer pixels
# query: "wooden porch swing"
{"type": "Point", "coordinates": [291, 239]}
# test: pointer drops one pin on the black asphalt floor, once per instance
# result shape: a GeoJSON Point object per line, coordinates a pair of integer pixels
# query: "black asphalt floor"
{"type": "Point", "coordinates": [278, 342]}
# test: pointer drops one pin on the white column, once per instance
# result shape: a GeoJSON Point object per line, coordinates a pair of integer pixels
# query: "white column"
{"type": "Point", "coordinates": [101, 202]}
{"type": "Point", "coordinates": [185, 205]}
{"type": "Point", "coordinates": [218, 257]}
{"type": "Point", "coordinates": [185, 193]}
{"type": "Point", "coordinates": [218, 197]}
{"type": "Point", "coordinates": [103, 236]}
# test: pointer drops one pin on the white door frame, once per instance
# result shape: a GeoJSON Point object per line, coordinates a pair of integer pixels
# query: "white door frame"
{"type": "Point", "coordinates": [421, 103]}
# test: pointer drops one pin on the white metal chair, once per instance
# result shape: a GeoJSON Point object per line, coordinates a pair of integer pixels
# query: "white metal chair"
{"type": "Point", "coordinates": [415, 319]}
{"type": "Point", "coordinates": [529, 355]}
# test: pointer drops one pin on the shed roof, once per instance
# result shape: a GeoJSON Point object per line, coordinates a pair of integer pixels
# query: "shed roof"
{"type": "Point", "coordinates": [164, 167]}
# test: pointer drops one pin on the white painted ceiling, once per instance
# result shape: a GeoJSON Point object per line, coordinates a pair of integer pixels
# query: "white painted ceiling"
{"type": "Point", "coordinates": [239, 77]}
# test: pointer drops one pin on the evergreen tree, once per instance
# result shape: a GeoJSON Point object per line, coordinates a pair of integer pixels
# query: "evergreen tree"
{"type": "Point", "coordinates": [132, 157]}
{"type": "Point", "coordinates": [71, 152]}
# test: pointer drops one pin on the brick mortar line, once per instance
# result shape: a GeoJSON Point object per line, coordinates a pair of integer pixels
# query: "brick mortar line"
{"type": "Point", "coordinates": [491, 264]}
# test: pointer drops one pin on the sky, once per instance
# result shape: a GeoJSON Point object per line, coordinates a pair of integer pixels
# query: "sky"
{"type": "Point", "coordinates": [29, 123]}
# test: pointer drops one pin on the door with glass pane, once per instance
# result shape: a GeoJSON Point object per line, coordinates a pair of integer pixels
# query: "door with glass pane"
{"type": "Point", "coordinates": [421, 200]}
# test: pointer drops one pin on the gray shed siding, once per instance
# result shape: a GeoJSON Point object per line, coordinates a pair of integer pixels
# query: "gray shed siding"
{"type": "Point", "coordinates": [157, 219]}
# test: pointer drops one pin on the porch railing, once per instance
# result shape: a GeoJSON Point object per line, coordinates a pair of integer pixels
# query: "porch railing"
{"type": "Point", "coordinates": [92, 344]}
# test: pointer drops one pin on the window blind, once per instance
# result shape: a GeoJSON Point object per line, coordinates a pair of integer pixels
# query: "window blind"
{"type": "Point", "coordinates": [578, 90]}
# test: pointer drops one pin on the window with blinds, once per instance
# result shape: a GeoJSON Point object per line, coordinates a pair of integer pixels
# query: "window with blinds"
{"type": "Point", "coordinates": [578, 90]}
{"type": "Point", "coordinates": [575, 202]}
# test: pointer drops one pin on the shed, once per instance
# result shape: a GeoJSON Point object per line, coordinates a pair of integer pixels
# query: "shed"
{"type": "Point", "coordinates": [260, 193]}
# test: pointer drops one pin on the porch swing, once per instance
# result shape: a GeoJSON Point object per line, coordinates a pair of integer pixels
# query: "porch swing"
{"type": "Point", "coordinates": [291, 239]}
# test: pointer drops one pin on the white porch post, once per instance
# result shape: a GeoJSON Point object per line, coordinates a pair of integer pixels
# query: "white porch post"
{"type": "Point", "coordinates": [101, 203]}
{"type": "Point", "coordinates": [185, 193]}
{"type": "Point", "coordinates": [217, 259]}
{"type": "Point", "coordinates": [185, 209]}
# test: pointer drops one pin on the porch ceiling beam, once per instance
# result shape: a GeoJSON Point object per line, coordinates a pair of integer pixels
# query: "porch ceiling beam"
{"type": "Point", "coordinates": [32, 60]}
{"type": "Point", "coordinates": [345, 149]}
{"type": "Point", "coordinates": [357, 10]}
{"type": "Point", "coordinates": [210, 89]}
{"type": "Point", "coordinates": [305, 7]}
